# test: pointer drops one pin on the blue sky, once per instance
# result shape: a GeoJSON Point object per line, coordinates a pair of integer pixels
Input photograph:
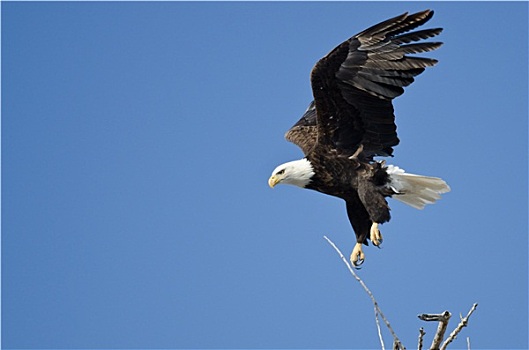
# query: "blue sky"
{"type": "Point", "coordinates": [137, 140]}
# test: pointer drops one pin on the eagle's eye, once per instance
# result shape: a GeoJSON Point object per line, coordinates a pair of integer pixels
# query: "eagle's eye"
{"type": "Point", "coordinates": [281, 172]}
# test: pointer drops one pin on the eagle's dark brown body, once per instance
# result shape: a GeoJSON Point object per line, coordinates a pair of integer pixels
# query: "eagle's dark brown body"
{"type": "Point", "coordinates": [362, 185]}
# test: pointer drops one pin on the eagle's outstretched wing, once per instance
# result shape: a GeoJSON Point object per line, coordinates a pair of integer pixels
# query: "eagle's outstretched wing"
{"type": "Point", "coordinates": [354, 84]}
{"type": "Point", "coordinates": [305, 132]}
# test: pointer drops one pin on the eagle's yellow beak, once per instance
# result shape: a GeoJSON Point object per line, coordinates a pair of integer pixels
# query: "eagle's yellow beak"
{"type": "Point", "coordinates": [272, 181]}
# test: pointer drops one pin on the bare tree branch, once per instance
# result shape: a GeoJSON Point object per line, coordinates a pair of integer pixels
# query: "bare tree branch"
{"type": "Point", "coordinates": [460, 326]}
{"type": "Point", "coordinates": [443, 318]}
{"type": "Point", "coordinates": [397, 343]}
{"type": "Point", "coordinates": [435, 317]}
{"type": "Point", "coordinates": [441, 328]}
{"type": "Point", "coordinates": [421, 337]}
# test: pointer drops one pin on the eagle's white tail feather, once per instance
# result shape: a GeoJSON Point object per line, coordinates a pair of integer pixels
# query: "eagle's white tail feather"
{"type": "Point", "coordinates": [415, 190]}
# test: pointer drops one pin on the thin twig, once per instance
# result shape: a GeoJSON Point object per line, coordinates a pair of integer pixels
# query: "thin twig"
{"type": "Point", "coordinates": [421, 337]}
{"type": "Point", "coordinates": [397, 345]}
{"type": "Point", "coordinates": [379, 331]}
{"type": "Point", "coordinates": [377, 308]}
{"type": "Point", "coordinates": [460, 326]}
{"type": "Point", "coordinates": [468, 343]}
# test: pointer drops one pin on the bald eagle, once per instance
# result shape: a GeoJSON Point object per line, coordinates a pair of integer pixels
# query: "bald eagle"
{"type": "Point", "coordinates": [351, 121]}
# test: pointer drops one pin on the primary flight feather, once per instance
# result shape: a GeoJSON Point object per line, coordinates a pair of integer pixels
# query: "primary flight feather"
{"type": "Point", "coordinates": [351, 121]}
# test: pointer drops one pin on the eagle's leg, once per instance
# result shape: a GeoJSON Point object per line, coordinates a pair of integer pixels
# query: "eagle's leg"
{"type": "Point", "coordinates": [357, 256]}
{"type": "Point", "coordinates": [375, 235]}
{"type": "Point", "coordinates": [357, 152]}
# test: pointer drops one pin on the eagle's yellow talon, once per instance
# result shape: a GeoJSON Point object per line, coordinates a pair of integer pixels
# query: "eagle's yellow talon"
{"type": "Point", "coordinates": [357, 256]}
{"type": "Point", "coordinates": [375, 235]}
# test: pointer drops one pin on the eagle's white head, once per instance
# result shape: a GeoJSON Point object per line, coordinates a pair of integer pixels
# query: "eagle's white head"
{"type": "Point", "coordinates": [297, 172]}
